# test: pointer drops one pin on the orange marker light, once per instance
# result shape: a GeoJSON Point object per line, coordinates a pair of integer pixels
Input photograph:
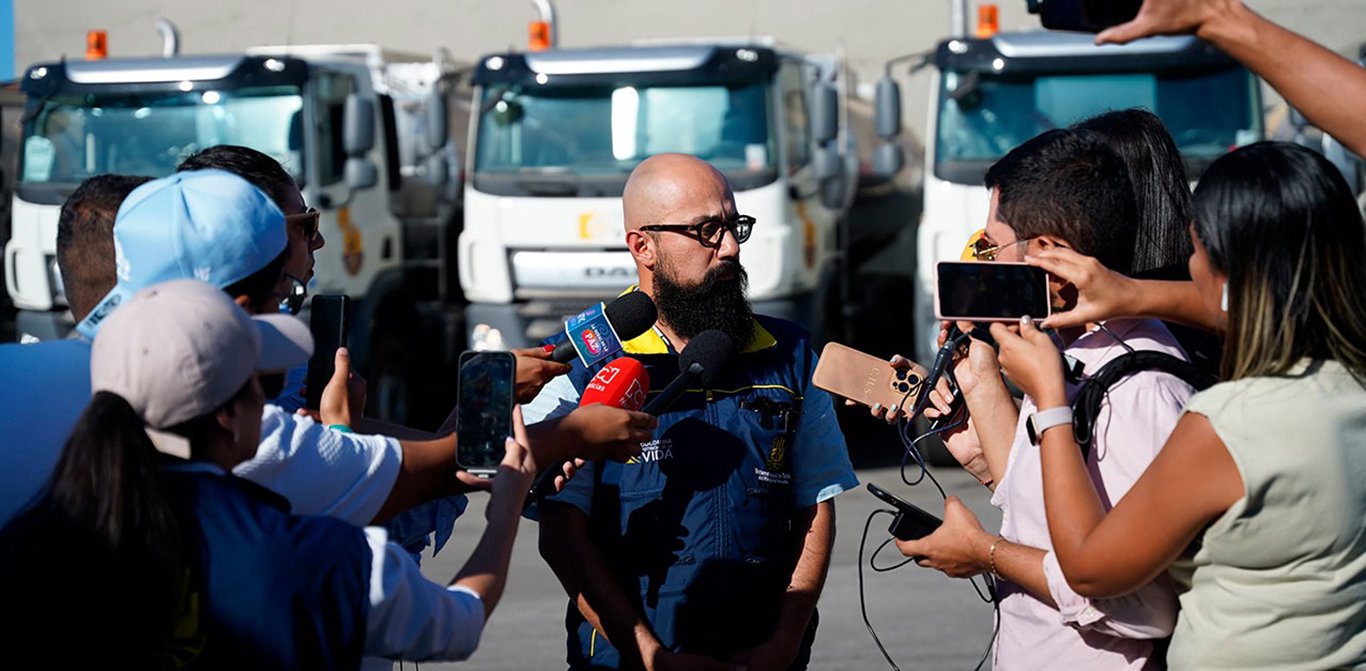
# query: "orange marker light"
{"type": "Point", "coordinates": [538, 36]}
{"type": "Point", "coordinates": [96, 45]}
{"type": "Point", "coordinates": [988, 20]}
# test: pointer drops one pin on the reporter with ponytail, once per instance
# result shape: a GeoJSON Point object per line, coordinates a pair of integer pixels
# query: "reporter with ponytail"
{"type": "Point", "coordinates": [145, 552]}
{"type": "Point", "coordinates": [1256, 505]}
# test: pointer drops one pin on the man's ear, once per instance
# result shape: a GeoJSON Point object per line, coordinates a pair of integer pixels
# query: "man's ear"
{"type": "Point", "coordinates": [226, 417]}
{"type": "Point", "coordinates": [242, 301]}
{"type": "Point", "coordinates": [1047, 242]}
{"type": "Point", "coordinates": [642, 248]}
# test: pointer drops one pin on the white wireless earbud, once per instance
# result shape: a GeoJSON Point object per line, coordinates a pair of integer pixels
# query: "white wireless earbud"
{"type": "Point", "coordinates": [1223, 302]}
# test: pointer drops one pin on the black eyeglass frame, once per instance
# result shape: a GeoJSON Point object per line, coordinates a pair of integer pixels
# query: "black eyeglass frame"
{"type": "Point", "coordinates": [742, 226]}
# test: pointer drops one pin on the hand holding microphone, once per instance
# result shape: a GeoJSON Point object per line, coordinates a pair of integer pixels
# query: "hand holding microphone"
{"type": "Point", "coordinates": [606, 425]}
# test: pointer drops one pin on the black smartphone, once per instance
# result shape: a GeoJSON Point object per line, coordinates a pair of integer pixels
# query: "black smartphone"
{"type": "Point", "coordinates": [990, 291]}
{"type": "Point", "coordinates": [1084, 16]}
{"type": "Point", "coordinates": [328, 321]}
{"type": "Point", "coordinates": [911, 523]}
{"type": "Point", "coordinates": [483, 416]}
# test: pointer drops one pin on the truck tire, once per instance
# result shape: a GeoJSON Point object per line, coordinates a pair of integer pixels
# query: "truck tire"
{"type": "Point", "coordinates": [389, 386]}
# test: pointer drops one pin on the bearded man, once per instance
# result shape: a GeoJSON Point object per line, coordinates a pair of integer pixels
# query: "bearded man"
{"type": "Point", "coordinates": [710, 549]}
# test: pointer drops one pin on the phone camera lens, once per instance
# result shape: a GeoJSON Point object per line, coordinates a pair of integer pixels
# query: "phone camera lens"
{"type": "Point", "coordinates": [903, 387]}
{"type": "Point", "coordinates": [913, 379]}
{"type": "Point", "coordinates": [901, 375]}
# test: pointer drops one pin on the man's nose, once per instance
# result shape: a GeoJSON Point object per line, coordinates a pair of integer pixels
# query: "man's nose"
{"type": "Point", "coordinates": [729, 247]}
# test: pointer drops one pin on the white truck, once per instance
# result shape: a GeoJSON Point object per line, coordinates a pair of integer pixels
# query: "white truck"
{"type": "Point", "coordinates": [990, 94]}
{"type": "Point", "coordinates": [364, 131]}
{"type": "Point", "coordinates": [554, 134]}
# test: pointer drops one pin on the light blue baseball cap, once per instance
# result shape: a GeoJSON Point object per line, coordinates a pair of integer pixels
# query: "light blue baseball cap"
{"type": "Point", "coordinates": [208, 225]}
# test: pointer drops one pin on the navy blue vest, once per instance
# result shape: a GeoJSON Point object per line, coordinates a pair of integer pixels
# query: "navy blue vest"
{"type": "Point", "coordinates": [698, 528]}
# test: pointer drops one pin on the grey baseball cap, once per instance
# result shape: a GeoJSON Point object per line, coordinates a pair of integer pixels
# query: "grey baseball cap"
{"type": "Point", "coordinates": [181, 349]}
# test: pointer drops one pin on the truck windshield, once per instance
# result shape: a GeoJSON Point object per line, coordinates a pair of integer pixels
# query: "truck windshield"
{"type": "Point", "coordinates": [981, 116]}
{"type": "Point", "coordinates": [562, 140]}
{"type": "Point", "coordinates": [70, 138]}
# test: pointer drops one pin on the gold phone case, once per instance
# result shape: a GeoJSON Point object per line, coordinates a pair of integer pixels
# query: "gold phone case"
{"type": "Point", "coordinates": [863, 378]}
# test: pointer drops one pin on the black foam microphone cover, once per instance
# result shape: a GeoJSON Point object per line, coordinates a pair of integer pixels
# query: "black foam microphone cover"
{"type": "Point", "coordinates": [629, 314]}
{"type": "Point", "coordinates": [710, 350]}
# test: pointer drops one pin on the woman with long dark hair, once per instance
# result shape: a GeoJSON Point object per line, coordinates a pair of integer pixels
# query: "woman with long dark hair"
{"type": "Point", "coordinates": [144, 552]}
{"type": "Point", "coordinates": [1257, 503]}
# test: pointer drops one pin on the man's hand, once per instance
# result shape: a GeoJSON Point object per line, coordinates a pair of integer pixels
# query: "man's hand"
{"type": "Point", "coordinates": [343, 399]}
{"type": "Point", "coordinates": [534, 371]}
{"type": "Point", "coordinates": [958, 548]}
{"type": "Point", "coordinates": [1168, 17]}
{"type": "Point", "coordinates": [606, 432]}
{"type": "Point", "coordinates": [775, 654]}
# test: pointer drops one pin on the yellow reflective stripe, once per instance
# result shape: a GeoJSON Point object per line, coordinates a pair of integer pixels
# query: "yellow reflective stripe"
{"type": "Point", "coordinates": [732, 392]}
{"type": "Point", "coordinates": [592, 642]}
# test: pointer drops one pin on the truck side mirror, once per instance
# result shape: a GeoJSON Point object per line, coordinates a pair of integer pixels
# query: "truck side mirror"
{"type": "Point", "coordinates": [825, 114]}
{"type": "Point", "coordinates": [888, 159]}
{"type": "Point", "coordinates": [437, 170]}
{"type": "Point", "coordinates": [358, 138]}
{"type": "Point", "coordinates": [358, 125]}
{"type": "Point", "coordinates": [828, 166]}
{"type": "Point", "coordinates": [887, 109]}
{"type": "Point", "coordinates": [438, 131]}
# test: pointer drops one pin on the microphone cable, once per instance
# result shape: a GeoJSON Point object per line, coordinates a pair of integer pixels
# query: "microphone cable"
{"type": "Point", "coordinates": [987, 591]}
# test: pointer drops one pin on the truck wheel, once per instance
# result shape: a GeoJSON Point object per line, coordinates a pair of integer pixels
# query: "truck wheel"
{"type": "Point", "coordinates": [389, 387]}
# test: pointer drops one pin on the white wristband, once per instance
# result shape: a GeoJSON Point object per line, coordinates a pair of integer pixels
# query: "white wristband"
{"type": "Point", "coordinates": [1044, 420]}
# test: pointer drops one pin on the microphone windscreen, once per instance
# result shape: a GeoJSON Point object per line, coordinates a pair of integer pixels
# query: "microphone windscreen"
{"type": "Point", "coordinates": [631, 314]}
{"type": "Point", "coordinates": [712, 350]}
{"type": "Point", "coordinates": [622, 383]}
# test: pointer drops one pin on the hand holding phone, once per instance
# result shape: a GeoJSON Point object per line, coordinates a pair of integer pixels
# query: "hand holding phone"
{"type": "Point", "coordinates": [328, 323]}
{"type": "Point", "coordinates": [484, 406]}
{"type": "Point", "coordinates": [864, 378]}
{"type": "Point", "coordinates": [911, 523]}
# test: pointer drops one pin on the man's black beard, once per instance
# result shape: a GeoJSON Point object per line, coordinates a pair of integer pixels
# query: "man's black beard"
{"type": "Point", "coordinates": [712, 304]}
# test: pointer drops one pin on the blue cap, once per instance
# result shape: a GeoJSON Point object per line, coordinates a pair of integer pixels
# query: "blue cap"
{"type": "Point", "coordinates": [208, 225]}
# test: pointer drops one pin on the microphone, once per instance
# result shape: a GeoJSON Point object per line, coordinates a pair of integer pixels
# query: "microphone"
{"type": "Point", "coordinates": [623, 383]}
{"type": "Point", "coordinates": [596, 334]}
{"type": "Point", "coordinates": [700, 362]}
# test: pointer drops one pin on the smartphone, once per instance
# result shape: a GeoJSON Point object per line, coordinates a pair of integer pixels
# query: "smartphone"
{"type": "Point", "coordinates": [995, 291]}
{"type": "Point", "coordinates": [328, 322]}
{"type": "Point", "coordinates": [911, 522]}
{"type": "Point", "coordinates": [1085, 16]}
{"type": "Point", "coordinates": [864, 378]}
{"type": "Point", "coordinates": [483, 415]}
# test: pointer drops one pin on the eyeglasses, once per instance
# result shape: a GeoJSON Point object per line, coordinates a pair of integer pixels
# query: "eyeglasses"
{"type": "Point", "coordinates": [308, 220]}
{"type": "Point", "coordinates": [710, 232]}
{"type": "Point", "coordinates": [983, 250]}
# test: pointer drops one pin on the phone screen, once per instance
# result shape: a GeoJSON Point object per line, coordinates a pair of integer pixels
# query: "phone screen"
{"type": "Point", "coordinates": [484, 409]}
{"type": "Point", "coordinates": [995, 291]}
{"type": "Point", "coordinates": [327, 322]}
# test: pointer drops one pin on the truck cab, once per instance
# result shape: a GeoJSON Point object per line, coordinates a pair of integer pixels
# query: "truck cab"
{"type": "Point", "coordinates": [988, 95]}
{"type": "Point", "coordinates": [347, 121]}
{"type": "Point", "coordinates": [554, 135]}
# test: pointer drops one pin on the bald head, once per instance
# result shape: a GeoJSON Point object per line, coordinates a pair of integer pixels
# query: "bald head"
{"type": "Point", "coordinates": [666, 184]}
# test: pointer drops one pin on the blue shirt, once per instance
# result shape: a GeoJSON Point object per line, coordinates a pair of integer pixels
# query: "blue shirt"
{"type": "Point", "coordinates": [698, 529]}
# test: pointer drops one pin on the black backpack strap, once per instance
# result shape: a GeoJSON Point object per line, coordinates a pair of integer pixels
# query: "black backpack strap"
{"type": "Point", "coordinates": [1086, 405]}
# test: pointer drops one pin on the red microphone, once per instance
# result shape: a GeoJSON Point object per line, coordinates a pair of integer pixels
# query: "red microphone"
{"type": "Point", "coordinates": [623, 383]}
